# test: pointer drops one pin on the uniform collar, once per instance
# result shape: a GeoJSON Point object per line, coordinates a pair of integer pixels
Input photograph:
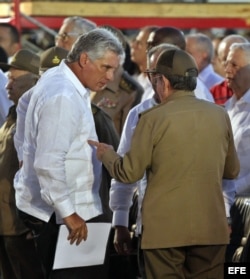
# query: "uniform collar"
{"type": "Point", "coordinates": [233, 101]}
{"type": "Point", "coordinates": [179, 94]}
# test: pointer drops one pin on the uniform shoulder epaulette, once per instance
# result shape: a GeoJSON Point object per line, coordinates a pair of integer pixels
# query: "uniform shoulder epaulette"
{"type": "Point", "coordinates": [129, 84]}
{"type": "Point", "coordinates": [94, 108]}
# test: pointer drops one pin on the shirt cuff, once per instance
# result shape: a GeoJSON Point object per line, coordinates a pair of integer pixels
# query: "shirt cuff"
{"type": "Point", "coordinates": [120, 218]}
{"type": "Point", "coordinates": [64, 208]}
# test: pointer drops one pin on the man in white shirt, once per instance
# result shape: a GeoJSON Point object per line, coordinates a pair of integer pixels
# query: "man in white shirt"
{"type": "Point", "coordinates": [238, 106]}
{"type": "Point", "coordinates": [139, 57]}
{"type": "Point", "coordinates": [60, 176]}
{"type": "Point", "coordinates": [200, 46]}
{"type": "Point", "coordinates": [237, 71]}
{"type": "Point", "coordinates": [175, 36]}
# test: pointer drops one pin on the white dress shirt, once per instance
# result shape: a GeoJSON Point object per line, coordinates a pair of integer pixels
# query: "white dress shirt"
{"type": "Point", "coordinates": [210, 77]}
{"type": "Point", "coordinates": [121, 194]}
{"type": "Point", "coordinates": [21, 110]}
{"type": "Point", "coordinates": [239, 113]}
{"type": "Point", "coordinates": [60, 171]}
{"type": "Point", "coordinates": [5, 103]}
{"type": "Point", "coordinates": [202, 92]}
{"type": "Point", "coordinates": [147, 86]}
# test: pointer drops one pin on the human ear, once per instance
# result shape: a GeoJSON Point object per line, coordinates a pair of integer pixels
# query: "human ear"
{"type": "Point", "coordinates": [83, 59]}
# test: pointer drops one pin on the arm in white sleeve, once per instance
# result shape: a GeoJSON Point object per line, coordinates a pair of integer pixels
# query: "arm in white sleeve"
{"type": "Point", "coordinates": [21, 109]}
{"type": "Point", "coordinates": [228, 188]}
{"type": "Point", "coordinates": [56, 131]}
{"type": "Point", "coordinates": [242, 185]}
{"type": "Point", "coordinates": [121, 194]}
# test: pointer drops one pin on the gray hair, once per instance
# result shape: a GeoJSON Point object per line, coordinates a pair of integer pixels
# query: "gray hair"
{"type": "Point", "coordinates": [242, 46]}
{"type": "Point", "coordinates": [79, 24]}
{"type": "Point", "coordinates": [234, 38]}
{"type": "Point", "coordinates": [204, 43]}
{"type": "Point", "coordinates": [96, 43]}
{"type": "Point", "coordinates": [245, 47]}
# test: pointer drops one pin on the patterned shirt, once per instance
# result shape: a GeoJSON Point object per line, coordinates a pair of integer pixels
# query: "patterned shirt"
{"type": "Point", "coordinates": [221, 92]}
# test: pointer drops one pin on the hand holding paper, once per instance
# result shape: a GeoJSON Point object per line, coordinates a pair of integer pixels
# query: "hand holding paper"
{"type": "Point", "coordinates": [77, 227]}
{"type": "Point", "coordinates": [90, 252]}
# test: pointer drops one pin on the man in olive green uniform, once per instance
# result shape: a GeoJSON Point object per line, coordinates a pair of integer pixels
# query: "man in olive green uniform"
{"type": "Point", "coordinates": [186, 147]}
{"type": "Point", "coordinates": [118, 97]}
{"type": "Point", "coordinates": [18, 258]}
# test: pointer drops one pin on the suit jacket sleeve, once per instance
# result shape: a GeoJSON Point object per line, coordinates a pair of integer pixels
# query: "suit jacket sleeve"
{"type": "Point", "coordinates": [132, 166]}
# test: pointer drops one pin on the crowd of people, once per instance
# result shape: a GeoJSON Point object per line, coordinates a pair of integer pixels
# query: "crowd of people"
{"type": "Point", "coordinates": [149, 135]}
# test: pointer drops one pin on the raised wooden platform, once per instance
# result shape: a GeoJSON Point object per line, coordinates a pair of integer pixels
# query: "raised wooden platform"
{"type": "Point", "coordinates": [136, 15]}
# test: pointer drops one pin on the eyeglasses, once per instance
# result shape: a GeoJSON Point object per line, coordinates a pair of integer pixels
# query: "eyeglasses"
{"type": "Point", "coordinates": [152, 74]}
{"type": "Point", "coordinates": [65, 36]}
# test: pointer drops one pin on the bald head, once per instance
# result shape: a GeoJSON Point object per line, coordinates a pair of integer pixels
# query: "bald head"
{"type": "Point", "coordinates": [169, 35]}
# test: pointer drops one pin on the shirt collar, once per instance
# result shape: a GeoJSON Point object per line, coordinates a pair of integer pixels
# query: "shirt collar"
{"type": "Point", "coordinates": [81, 89]}
{"type": "Point", "coordinates": [232, 101]}
{"type": "Point", "coordinates": [206, 72]}
{"type": "Point", "coordinates": [246, 97]}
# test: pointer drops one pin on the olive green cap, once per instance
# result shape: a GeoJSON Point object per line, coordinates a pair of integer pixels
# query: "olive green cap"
{"type": "Point", "coordinates": [52, 57]}
{"type": "Point", "coordinates": [176, 62]}
{"type": "Point", "coordinates": [25, 60]}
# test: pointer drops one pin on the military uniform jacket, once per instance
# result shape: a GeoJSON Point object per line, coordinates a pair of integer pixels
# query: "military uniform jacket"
{"type": "Point", "coordinates": [186, 147]}
{"type": "Point", "coordinates": [10, 224]}
{"type": "Point", "coordinates": [119, 97]}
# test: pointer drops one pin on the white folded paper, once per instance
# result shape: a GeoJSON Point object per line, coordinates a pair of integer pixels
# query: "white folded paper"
{"type": "Point", "coordinates": [87, 253]}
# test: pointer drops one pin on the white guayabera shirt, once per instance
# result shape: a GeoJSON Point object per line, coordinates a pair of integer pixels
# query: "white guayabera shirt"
{"type": "Point", "coordinates": [239, 113]}
{"type": "Point", "coordinates": [60, 171]}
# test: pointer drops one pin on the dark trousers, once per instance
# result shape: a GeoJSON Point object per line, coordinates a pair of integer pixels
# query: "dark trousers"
{"type": "Point", "coordinates": [140, 259]}
{"type": "Point", "coordinates": [126, 267]}
{"type": "Point", "coordinates": [45, 236]}
{"type": "Point", "coordinates": [240, 228]}
{"type": "Point", "coordinates": [19, 259]}
{"type": "Point", "coordinates": [190, 262]}
{"type": "Point", "coordinates": [88, 272]}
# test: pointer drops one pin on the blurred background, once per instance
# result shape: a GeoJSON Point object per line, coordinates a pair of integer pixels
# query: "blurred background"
{"type": "Point", "coordinates": [39, 21]}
